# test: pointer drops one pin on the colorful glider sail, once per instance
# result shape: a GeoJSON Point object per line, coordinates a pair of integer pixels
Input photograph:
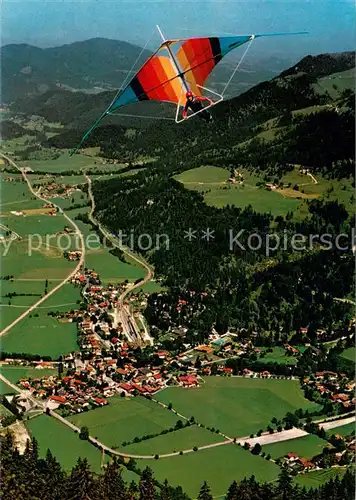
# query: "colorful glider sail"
{"type": "Point", "coordinates": [176, 67]}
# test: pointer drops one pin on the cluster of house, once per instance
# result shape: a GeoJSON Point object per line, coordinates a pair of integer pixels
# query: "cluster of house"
{"type": "Point", "coordinates": [302, 464]}
{"type": "Point", "coordinates": [89, 384]}
{"type": "Point", "coordinates": [336, 387]}
{"type": "Point", "coordinates": [295, 461]}
{"type": "Point", "coordinates": [73, 255]}
{"type": "Point", "coordinates": [55, 190]}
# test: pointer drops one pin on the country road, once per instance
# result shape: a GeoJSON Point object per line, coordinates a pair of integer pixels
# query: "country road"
{"type": "Point", "coordinates": [264, 439]}
{"type": "Point", "coordinates": [336, 423]}
{"type": "Point", "coordinates": [347, 301]}
{"type": "Point", "coordinates": [72, 273]}
{"type": "Point", "coordinates": [120, 310]}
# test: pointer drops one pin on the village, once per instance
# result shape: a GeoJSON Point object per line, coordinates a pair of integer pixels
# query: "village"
{"type": "Point", "coordinates": [109, 362]}
{"type": "Point", "coordinates": [118, 358]}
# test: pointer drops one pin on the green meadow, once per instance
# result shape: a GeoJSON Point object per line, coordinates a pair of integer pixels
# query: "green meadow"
{"type": "Point", "coordinates": [41, 334]}
{"type": "Point", "coordinates": [64, 163]}
{"type": "Point", "coordinates": [124, 419]}
{"type": "Point", "coordinates": [15, 373]}
{"type": "Point", "coordinates": [212, 183]}
{"type": "Point", "coordinates": [64, 443]}
{"type": "Point", "coordinates": [343, 430]}
{"type": "Point", "coordinates": [184, 439]}
{"type": "Point", "coordinates": [237, 406]}
{"type": "Point", "coordinates": [316, 478]}
{"type": "Point", "coordinates": [218, 466]}
{"type": "Point", "coordinates": [349, 354]}
{"type": "Point", "coordinates": [305, 447]}
{"type": "Point", "coordinates": [278, 355]}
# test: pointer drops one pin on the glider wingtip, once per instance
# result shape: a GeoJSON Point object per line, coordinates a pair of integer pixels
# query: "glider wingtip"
{"type": "Point", "coordinates": [282, 34]}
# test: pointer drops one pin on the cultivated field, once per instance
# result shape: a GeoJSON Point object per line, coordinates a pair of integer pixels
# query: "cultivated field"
{"type": "Point", "coordinates": [63, 300]}
{"type": "Point", "coordinates": [342, 430]}
{"type": "Point", "coordinates": [15, 195]}
{"type": "Point", "coordinates": [237, 406]}
{"type": "Point", "coordinates": [15, 373]}
{"type": "Point", "coordinates": [110, 268]}
{"type": "Point", "coordinates": [305, 447]}
{"type": "Point", "coordinates": [61, 164]}
{"type": "Point", "coordinates": [349, 354]}
{"type": "Point", "coordinates": [42, 335]}
{"type": "Point", "coordinates": [124, 419]}
{"type": "Point", "coordinates": [219, 466]}
{"type": "Point", "coordinates": [183, 439]}
{"type": "Point", "coordinates": [5, 389]}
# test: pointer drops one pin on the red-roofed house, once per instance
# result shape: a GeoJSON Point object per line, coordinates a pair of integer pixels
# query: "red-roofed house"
{"type": "Point", "coordinates": [306, 464]}
{"type": "Point", "coordinates": [126, 387]}
{"type": "Point", "coordinates": [140, 389]}
{"type": "Point", "coordinates": [111, 362]}
{"type": "Point", "coordinates": [188, 380]}
{"type": "Point", "coordinates": [58, 399]}
{"type": "Point", "coordinates": [100, 401]}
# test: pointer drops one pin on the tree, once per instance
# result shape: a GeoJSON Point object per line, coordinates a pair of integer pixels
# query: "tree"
{"type": "Point", "coordinates": [285, 484]}
{"type": "Point", "coordinates": [80, 483]}
{"type": "Point", "coordinates": [232, 492]}
{"type": "Point", "coordinates": [111, 483]}
{"type": "Point", "coordinates": [179, 425]}
{"type": "Point", "coordinates": [205, 492]}
{"type": "Point", "coordinates": [146, 485]}
{"type": "Point", "coordinates": [256, 450]}
{"type": "Point", "coordinates": [84, 433]}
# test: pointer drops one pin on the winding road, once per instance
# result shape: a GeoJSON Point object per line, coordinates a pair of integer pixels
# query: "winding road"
{"type": "Point", "coordinates": [264, 439]}
{"type": "Point", "coordinates": [72, 273]}
{"type": "Point", "coordinates": [121, 312]}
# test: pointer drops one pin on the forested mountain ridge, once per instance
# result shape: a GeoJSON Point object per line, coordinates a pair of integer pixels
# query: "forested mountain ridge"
{"type": "Point", "coordinates": [267, 99]}
{"type": "Point", "coordinates": [28, 70]}
{"type": "Point", "coordinates": [235, 120]}
{"type": "Point", "coordinates": [95, 65]}
{"type": "Point", "coordinates": [245, 288]}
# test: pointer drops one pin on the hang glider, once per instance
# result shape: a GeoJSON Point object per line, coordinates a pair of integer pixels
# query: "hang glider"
{"type": "Point", "coordinates": [178, 66]}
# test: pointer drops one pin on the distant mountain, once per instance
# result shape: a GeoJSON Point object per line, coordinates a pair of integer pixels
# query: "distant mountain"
{"type": "Point", "coordinates": [98, 64]}
{"type": "Point", "coordinates": [78, 110]}
{"type": "Point", "coordinates": [320, 140]}
{"type": "Point", "coordinates": [322, 65]}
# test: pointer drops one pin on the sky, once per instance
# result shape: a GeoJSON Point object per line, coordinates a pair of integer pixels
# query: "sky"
{"type": "Point", "coordinates": [44, 23]}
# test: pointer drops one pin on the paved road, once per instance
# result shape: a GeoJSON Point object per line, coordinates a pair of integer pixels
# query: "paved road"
{"type": "Point", "coordinates": [68, 278]}
{"type": "Point", "coordinates": [330, 425]}
{"type": "Point", "coordinates": [121, 312]}
{"type": "Point", "coordinates": [263, 439]}
{"type": "Point", "coordinates": [275, 437]}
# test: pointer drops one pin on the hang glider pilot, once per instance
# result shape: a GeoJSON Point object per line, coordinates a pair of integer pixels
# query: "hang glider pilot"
{"type": "Point", "coordinates": [194, 103]}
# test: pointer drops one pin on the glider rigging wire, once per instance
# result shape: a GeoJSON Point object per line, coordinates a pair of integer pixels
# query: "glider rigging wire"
{"type": "Point", "coordinates": [178, 65]}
